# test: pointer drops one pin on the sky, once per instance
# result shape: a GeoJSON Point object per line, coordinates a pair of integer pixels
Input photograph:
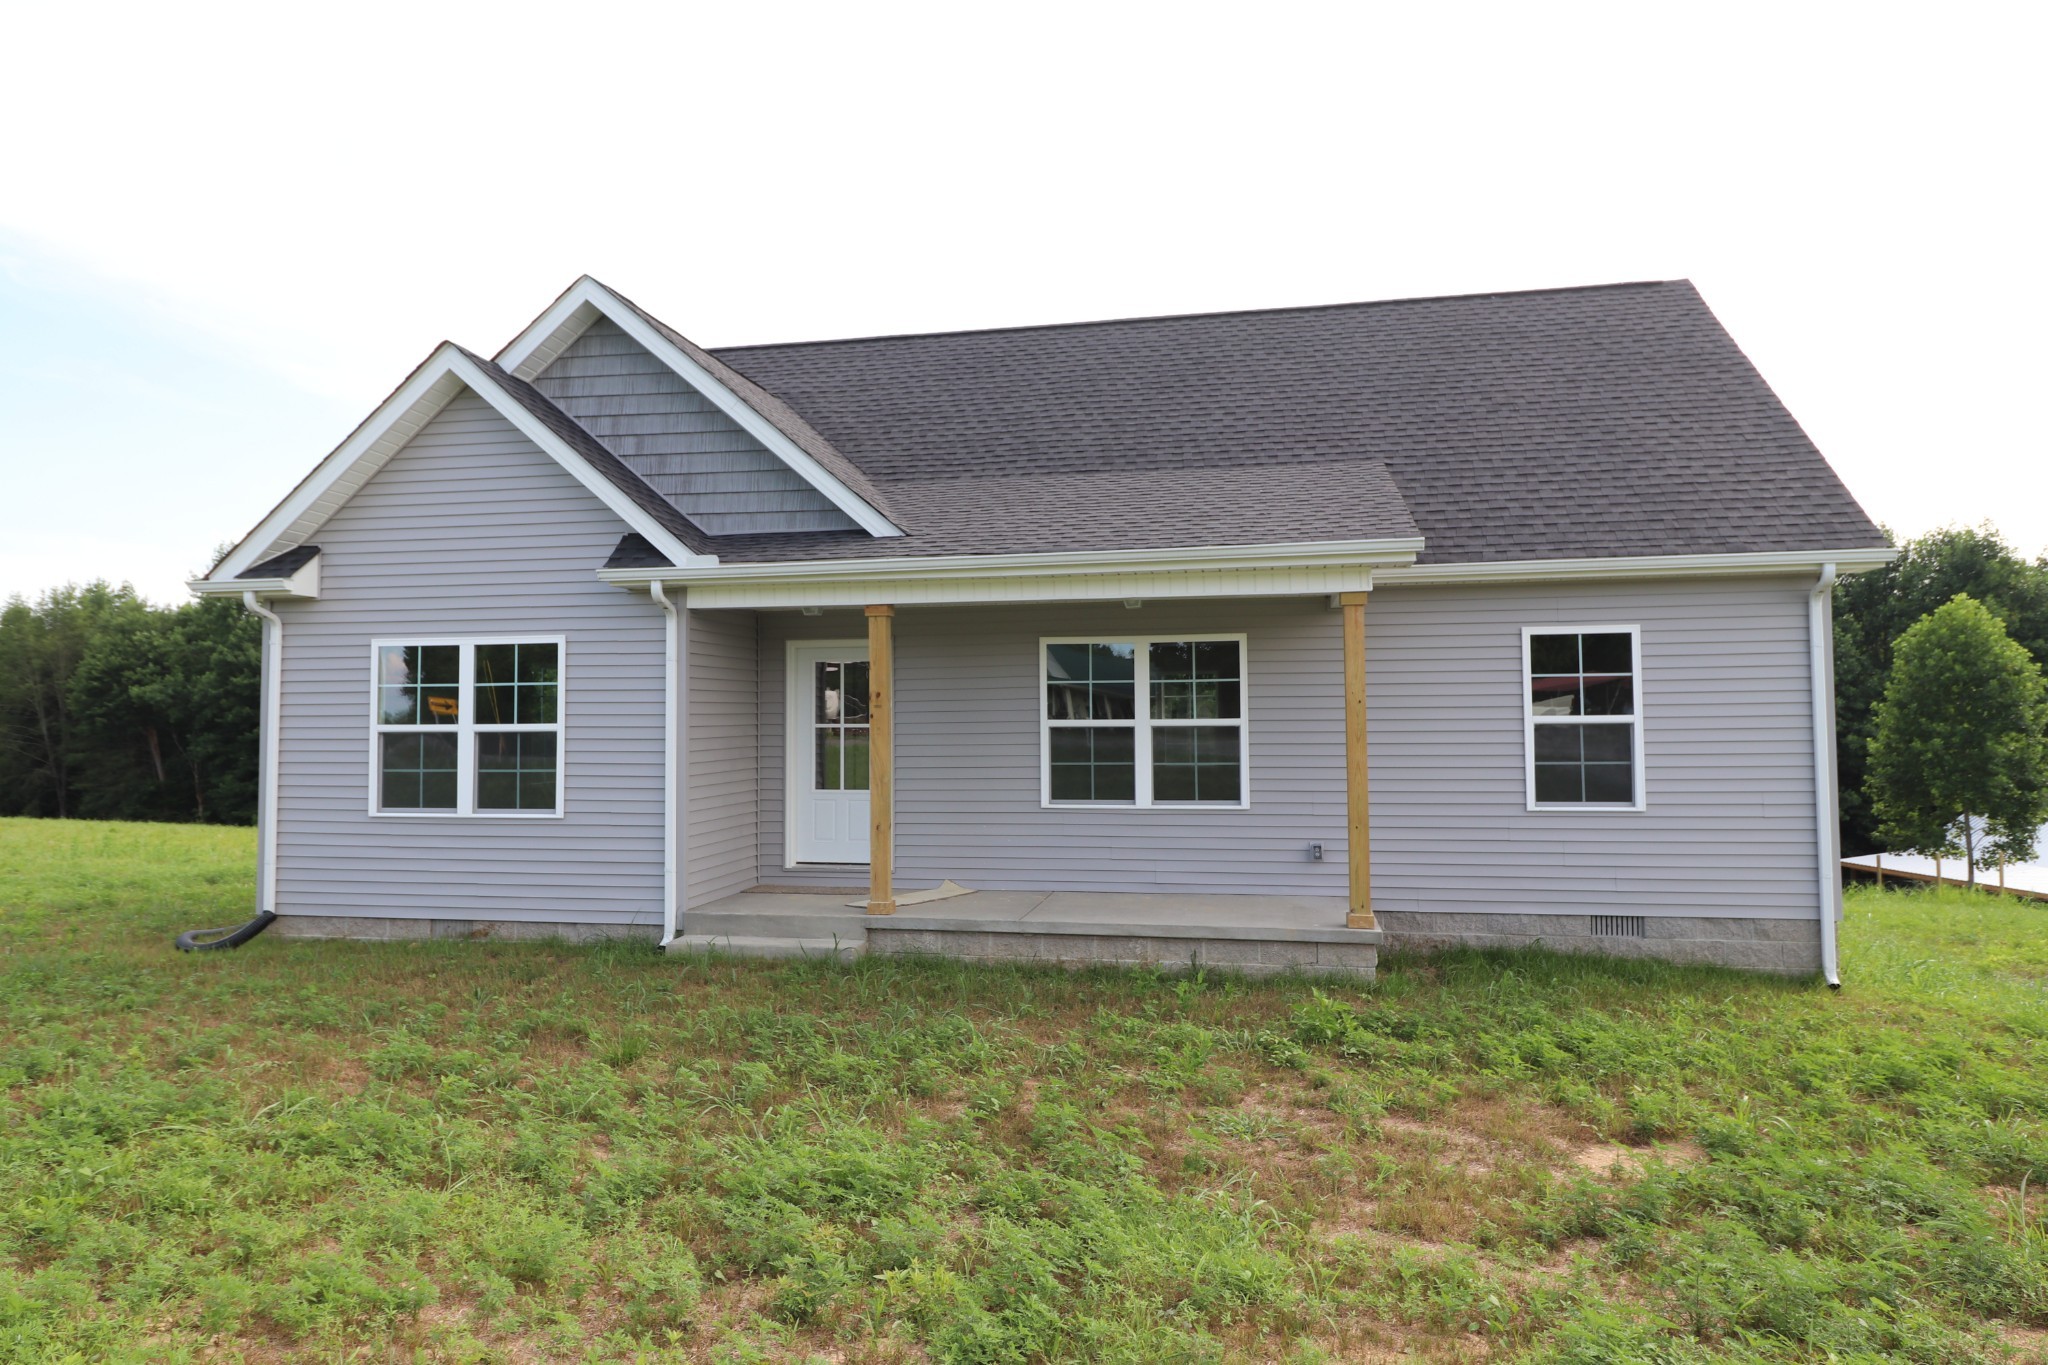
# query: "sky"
{"type": "Point", "coordinates": [227, 233]}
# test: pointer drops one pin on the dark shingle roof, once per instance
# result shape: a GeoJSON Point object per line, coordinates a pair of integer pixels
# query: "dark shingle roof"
{"type": "Point", "coordinates": [1616, 420]}
{"type": "Point", "coordinates": [282, 565]}
{"type": "Point", "coordinates": [1279, 502]}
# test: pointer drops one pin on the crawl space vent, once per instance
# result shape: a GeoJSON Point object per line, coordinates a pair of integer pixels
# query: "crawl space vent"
{"type": "Point", "coordinates": [1617, 926]}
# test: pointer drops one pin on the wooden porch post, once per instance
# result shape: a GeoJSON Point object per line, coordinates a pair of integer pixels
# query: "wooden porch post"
{"type": "Point", "coordinates": [1356, 791]}
{"type": "Point", "coordinates": [881, 760]}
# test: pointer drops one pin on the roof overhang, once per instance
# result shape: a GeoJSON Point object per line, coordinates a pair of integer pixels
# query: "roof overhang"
{"type": "Point", "coordinates": [439, 378]}
{"type": "Point", "coordinates": [1281, 570]}
{"type": "Point", "coordinates": [301, 584]}
{"type": "Point", "coordinates": [1860, 560]}
{"type": "Point", "coordinates": [555, 330]}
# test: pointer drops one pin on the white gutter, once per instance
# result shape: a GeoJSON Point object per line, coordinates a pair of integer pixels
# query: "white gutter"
{"type": "Point", "coordinates": [671, 699]}
{"type": "Point", "coordinates": [1308, 554]}
{"type": "Point", "coordinates": [266, 787]}
{"type": "Point", "coordinates": [1827, 816]}
{"type": "Point", "coordinates": [1638, 566]}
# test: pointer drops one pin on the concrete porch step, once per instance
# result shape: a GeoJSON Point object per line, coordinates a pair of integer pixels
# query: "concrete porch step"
{"type": "Point", "coordinates": [850, 926]}
{"type": "Point", "coordinates": [755, 945]}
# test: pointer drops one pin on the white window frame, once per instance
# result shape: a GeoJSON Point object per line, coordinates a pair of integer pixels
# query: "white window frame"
{"type": "Point", "coordinates": [1143, 724]}
{"type": "Point", "coordinates": [1530, 720]}
{"type": "Point", "coordinates": [465, 729]}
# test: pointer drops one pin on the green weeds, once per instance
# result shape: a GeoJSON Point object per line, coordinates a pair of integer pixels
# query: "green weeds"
{"type": "Point", "coordinates": [484, 1151]}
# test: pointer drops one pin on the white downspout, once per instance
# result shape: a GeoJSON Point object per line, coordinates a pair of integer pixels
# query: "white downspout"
{"type": "Point", "coordinates": [268, 718]}
{"type": "Point", "coordinates": [671, 699]}
{"type": "Point", "coordinates": [1826, 815]}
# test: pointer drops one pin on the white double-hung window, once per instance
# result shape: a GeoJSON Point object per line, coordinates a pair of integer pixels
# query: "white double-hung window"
{"type": "Point", "coordinates": [1144, 721]}
{"type": "Point", "coordinates": [466, 727]}
{"type": "Point", "coordinates": [1582, 710]}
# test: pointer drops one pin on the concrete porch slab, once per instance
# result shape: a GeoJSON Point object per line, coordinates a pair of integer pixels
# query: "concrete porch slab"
{"type": "Point", "coordinates": [1075, 928]}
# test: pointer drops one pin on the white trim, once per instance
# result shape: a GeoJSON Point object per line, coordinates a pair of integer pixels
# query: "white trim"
{"type": "Point", "coordinates": [570, 315]}
{"type": "Point", "coordinates": [1142, 722]}
{"type": "Point", "coordinates": [1281, 570]}
{"type": "Point", "coordinates": [466, 728]}
{"type": "Point", "coordinates": [1361, 554]}
{"type": "Point", "coordinates": [301, 585]}
{"type": "Point", "coordinates": [671, 777]}
{"type": "Point", "coordinates": [1825, 816]}
{"type": "Point", "coordinates": [385, 432]}
{"type": "Point", "coordinates": [268, 719]}
{"type": "Point", "coordinates": [1278, 570]}
{"type": "Point", "coordinates": [1530, 720]}
{"type": "Point", "coordinates": [796, 695]}
{"type": "Point", "coordinates": [1640, 566]}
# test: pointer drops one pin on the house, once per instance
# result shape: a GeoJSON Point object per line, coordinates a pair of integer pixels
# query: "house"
{"type": "Point", "coordinates": [1256, 639]}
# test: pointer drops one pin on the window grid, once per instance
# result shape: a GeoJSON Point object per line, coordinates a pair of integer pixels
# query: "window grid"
{"type": "Point", "coordinates": [500, 769]}
{"type": "Point", "coordinates": [1583, 725]}
{"type": "Point", "coordinates": [1194, 739]}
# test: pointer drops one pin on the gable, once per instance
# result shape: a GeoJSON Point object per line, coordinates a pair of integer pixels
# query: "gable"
{"type": "Point", "coordinates": [680, 442]}
{"type": "Point", "coordinates": [449, 371]}
{"type": "Point", "coordinates": [468, 494]}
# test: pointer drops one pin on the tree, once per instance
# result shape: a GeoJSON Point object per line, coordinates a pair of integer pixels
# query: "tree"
{"type": "Point", "coordinates": [1873, 609]}
{"type": "Point", "coordinates": [1962, 732]}
{"type": "Point", "coordinates": [40, 649]}
{"type": "Point", "coordinates": [165, 706]}
{"type": "Point", "coordinates": [115, 709]}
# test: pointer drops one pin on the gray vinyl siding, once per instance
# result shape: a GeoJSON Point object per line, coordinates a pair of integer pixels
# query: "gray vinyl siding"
{"type": "Point", "coordinates": [724, 708]}
{"type": "Point", "coordinates": [472, 531]}
{"type": "Point", "coordinates": [1729, 829]}
{"type": "Point", "coordinates": [967, 757]}
{"type": "Point", "coordinates": [679, 441]}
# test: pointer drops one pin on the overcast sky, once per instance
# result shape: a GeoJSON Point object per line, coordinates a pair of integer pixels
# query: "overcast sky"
{"type": "Point", "coordinates": [226, 234]}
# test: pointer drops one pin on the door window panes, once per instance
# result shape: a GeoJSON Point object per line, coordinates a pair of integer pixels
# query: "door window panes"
{"type": "Point", "coordinates": [839, 739]}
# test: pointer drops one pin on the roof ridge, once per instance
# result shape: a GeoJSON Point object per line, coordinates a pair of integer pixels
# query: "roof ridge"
{"type": "Point", "coordinates": [722, 351]}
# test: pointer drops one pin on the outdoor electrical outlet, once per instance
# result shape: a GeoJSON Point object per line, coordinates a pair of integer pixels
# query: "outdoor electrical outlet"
{"type": "Point", "coordinates": [1315, 853]}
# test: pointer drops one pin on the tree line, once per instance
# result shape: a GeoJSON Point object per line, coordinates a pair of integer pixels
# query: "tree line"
{"type": "Point", "coordinates": [111, 708]}
{"type": "Point", "coordinates": [114, 709]}
{"type": "Point", "coordinates": [1940, 705]}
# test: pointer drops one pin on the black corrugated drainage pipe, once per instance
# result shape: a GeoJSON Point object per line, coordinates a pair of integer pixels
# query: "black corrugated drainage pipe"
{"type": "Point", "coordinates": [234, 936]}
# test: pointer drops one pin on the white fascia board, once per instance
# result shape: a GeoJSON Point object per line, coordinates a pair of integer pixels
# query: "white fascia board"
{"type": "Point", "coordinates": [1309, 554]}
{"type": "Point", "coordinates": [383, 434]}
{"type": "Point", "coordinates": [302, 585]}
{"type": "Point", "coordinates": [1639, 566]}
{"type": "Point", "coordinates": [527, 354]}
{"type": "Point", "coordinates": [380, 436]}
{"type": "Point", "coordinates": [1223, 571]}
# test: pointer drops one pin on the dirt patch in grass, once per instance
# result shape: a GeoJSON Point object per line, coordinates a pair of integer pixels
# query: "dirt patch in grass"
{"type": "Point", "coordinates": [1615, 1161]}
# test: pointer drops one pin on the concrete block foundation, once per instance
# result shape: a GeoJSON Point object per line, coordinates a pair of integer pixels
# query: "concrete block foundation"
{"type": "Point", "coordinates": [1790, 947]}
{"type": "Point", "coordinates": [374, 928]}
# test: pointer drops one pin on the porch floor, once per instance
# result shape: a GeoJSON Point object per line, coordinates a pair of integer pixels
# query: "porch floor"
{"type": "Point", "coordinates": [1244, 933]}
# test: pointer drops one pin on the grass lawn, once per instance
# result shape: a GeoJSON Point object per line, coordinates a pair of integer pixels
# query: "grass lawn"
{"type": "Point", "coordinates": [483, 1151]}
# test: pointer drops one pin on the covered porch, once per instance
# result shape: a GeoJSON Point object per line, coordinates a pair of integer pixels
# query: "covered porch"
{"type": "Point", "coordinates": [910, 728]}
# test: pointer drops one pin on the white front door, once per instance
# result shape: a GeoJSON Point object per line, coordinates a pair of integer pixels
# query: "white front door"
{"type": "Point", "coordinates": [828, 752]}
